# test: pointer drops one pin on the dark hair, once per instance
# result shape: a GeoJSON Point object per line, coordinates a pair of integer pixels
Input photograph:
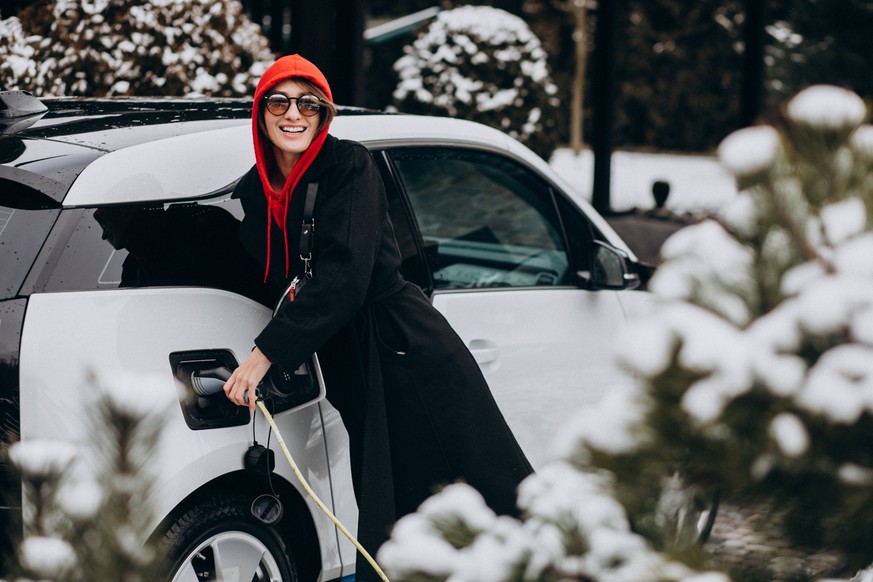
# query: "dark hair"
{"type": "Point", "coordinates": [325, 115]}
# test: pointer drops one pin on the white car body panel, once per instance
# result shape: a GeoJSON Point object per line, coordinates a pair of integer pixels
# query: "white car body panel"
{"type": "Point", "coordinates": [133, 331]}
{"type": "Point", "coordinates": [185, 166]}
{"type": "Point", "coordinates": [542, 352]}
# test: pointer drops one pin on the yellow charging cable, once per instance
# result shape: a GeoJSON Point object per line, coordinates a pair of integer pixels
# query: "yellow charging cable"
{"type": "Point", "coordinates": [314, 497]}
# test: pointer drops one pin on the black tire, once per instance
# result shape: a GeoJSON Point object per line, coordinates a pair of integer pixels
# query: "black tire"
{"type": "Point", "coordinates": [223, 527]}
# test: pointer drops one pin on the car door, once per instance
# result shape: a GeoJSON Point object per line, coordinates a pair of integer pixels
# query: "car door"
{"type": "Point", "coordinates": [506, 259]}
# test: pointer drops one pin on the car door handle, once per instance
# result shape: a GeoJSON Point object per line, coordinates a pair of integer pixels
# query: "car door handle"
{"type": "Point", "coordinates": [484, 351]}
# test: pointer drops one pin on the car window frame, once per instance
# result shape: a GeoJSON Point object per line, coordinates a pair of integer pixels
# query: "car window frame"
{"type": "Point", "coordinates": [415, 268]}
{"type": "Point", "coordinates": [559, 201]}
{"type": "Point", "coordinates": [41, 277]}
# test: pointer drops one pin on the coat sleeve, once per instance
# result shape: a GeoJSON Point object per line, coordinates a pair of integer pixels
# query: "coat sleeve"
{"type": "Point", "coordinates": [348, 221]}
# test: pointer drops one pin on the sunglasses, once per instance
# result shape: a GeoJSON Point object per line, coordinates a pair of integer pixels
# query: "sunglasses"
{"type": "Point", "coordinates": [278, 104]}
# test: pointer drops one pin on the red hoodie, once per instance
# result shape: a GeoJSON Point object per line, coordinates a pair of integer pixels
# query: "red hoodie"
{"type": "Point", "coordinates": [278, 202]}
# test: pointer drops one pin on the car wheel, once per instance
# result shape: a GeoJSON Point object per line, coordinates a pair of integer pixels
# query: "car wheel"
{"type": "Point", "coordinates": [686, 514]}
{"type": "Point", "coordinates": [220, 539]}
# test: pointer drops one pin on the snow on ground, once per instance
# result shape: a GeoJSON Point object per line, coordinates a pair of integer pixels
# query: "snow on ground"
{"type": "Point", "coordinates": [698, 183]}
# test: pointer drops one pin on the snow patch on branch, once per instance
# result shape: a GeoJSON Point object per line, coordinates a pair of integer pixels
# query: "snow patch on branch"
{"type": "Point", "coordinates": [827, 108]}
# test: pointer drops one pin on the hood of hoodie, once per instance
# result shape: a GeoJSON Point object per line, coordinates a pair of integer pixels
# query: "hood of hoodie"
{"type": "Point", "coordinates": [286, 67]}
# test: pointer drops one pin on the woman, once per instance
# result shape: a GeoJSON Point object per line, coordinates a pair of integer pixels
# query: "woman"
{"type": "Point", "coordinates": [416, 406]}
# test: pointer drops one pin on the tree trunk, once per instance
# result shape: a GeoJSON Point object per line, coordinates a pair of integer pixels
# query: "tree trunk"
{"type": "Point", "coordinates": [577, 107]}
{"type": "Point", "coordinates": [752, 99]}
{"type": "Point", "coordinates": [330, 33]}
{"type": "Point", "coordinates": [602, 96]}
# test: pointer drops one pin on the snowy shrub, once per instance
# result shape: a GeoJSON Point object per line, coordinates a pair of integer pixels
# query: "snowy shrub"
{"type": "Point", "coordinates": [85, 506]}
{"type": "Point", "coordinates": [757, 361]}
{"type": "Point", "coordinates": [132, 47]}
{"type": "Point", "coordinates": [574, 530]}
{"type": "Point", "coordinates": [483, 64]}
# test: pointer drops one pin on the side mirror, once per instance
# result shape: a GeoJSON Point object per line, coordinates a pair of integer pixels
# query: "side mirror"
{"type": "Point", "coordinates": [610, 269]}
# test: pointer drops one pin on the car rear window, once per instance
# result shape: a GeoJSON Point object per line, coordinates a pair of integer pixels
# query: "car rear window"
{"type": "Point", "coordinates": [158, 245]}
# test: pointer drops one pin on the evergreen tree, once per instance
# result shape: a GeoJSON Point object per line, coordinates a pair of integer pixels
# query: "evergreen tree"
{"type": "Point", "coordinates": [758, 360]}
{"type": "Point", "coordinates": [679, 69]}
{"type": "Point", "coordinates": [86, 504]}
{"type": "Point", "coordinates": [132, 47]}
{"type": "Point", "coordinates": [815, 41]}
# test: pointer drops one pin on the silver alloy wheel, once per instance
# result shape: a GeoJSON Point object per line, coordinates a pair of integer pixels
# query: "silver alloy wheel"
{"type": "Point", "coordinates": [229, 556]}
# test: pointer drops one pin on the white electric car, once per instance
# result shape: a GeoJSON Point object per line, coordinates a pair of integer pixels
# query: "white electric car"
{"type": "Point", "coordinates": [119, 252]}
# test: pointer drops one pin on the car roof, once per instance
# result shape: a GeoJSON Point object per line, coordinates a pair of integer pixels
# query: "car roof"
{"type": "Point", "coordinates": [45, 152]}
{"type": "Point", "coordinates": [97, 152]}
{"type": "Point", "coordinates": [161, 169]}
{"type": "Point", "coordinates": [115, 151]}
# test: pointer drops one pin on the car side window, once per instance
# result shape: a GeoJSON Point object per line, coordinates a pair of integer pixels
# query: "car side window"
{"type": "Point", "coordinates": [180, 244]}
{"type": "Point", "coordinates": [485, 220]}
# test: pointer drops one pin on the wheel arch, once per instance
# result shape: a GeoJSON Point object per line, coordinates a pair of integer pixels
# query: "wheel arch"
{"type": "Point", "coordinates": [296, 526]}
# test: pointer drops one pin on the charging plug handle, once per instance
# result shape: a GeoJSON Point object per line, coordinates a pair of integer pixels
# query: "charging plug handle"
{"type": "Point", "coordinates": [210, 380]}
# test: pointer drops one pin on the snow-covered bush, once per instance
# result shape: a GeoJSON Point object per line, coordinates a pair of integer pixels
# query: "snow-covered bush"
{"type": "Point", "coordinates": [483, 64]}
{"type": "Point", "coordinates": [85, 505]}
{"type": "Point", "coordinates": [757, 360]}
{"type": "Point", "coordinates": [574, 530]}
{"type": "Point", "coordinates": [132, 47]}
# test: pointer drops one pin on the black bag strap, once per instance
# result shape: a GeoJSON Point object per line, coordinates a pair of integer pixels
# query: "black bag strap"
{"type": "Point", "coordinates": [307, 228]}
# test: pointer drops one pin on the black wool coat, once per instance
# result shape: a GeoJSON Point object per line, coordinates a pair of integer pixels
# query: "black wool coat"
{"type": "Point", "coordinates": [417, 408]}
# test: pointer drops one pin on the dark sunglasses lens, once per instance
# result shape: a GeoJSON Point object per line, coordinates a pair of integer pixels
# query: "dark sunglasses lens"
{"type": "Point", "coordinates": [308, 106]}
{"type": "Point", "coordinates": [278, 104]}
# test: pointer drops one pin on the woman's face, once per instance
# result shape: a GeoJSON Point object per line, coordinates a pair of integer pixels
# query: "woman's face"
{"type": "Point", "coordinates": [290, 133]}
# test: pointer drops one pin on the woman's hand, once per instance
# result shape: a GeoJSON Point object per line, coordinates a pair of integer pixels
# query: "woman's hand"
{"type": "Point", "coordinates": [246, 378]}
